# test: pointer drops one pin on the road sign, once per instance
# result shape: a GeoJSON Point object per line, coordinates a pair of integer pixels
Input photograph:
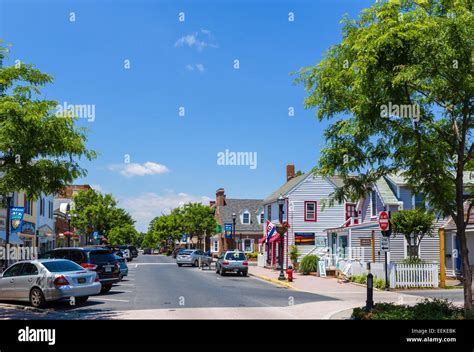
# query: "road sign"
{"type": "Point", "coordinates": [384, 224]}
{"type": "Point", "coordinates": [385, 244]}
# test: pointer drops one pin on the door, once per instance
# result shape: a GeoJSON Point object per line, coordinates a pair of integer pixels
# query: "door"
{"type": "Point", "coordinates": [8, 281]}
{"type": "Point", "coordinates": [26, 280]}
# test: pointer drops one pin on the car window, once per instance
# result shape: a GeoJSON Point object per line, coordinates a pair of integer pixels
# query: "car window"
{"type": "Point", "coordinates": [47, 255]}
{"type": "Point", "coordinates": [101, 256]}
{"type": "Point", "coordinates": [61, 254]}
{"type": "Point", "coordinates": [29, 269]}
{"type": "Point", "coordinates": [235, 256]}
{"type": "Point", "coordinates": [13, 271]}
{"type": "Point", "coordinates": [59, 266]}
{"type": "Point", "coordinates": [77, 257]}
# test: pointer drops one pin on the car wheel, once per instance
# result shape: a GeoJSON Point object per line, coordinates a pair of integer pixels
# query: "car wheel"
{"type": "Point", "coordinates": [244, 273]}
{"type": "Point", "coordinates": [37, 298]}
{"type": "Point", "coordinates": [105, 288]}
{"type": "Point", "coordinates": [222, 272]}
{"type": "Point", "coordinates": [180, 264]}
{"type": "Point", "coordinates": [82, 300]}
{"type": "Point", "coordinates": [217, 269]}
{"type": "Point", "coordinates": [196, 263]}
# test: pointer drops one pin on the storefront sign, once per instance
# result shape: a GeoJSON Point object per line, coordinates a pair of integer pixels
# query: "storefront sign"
{"type": "Point", "coordinates": [28, 228]}
{"type": "Point", "coordinates": [16, 216]}
{"type": "Point", "coordinates": [322, 268]}
{"type": "Point", "coordinates": [365, 242]}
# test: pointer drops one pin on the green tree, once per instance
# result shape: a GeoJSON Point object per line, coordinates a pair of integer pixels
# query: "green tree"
{"type": "Point", "coordinates": [94, 211]}
{"type": "Point", "coordinates": [122, 235]}
{"type": "Point", "coordinates": [197, 220]}
{"type": "Point", "coordinates": [39, 152]}
{"type": "Point", "coordinates": [413, 224]}
{"type": "Point", "coordinates": [414, 57]}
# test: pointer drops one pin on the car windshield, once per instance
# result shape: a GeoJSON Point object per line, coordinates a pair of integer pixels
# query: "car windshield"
{"type": "Point", "coordinates": [101, 256]}
{"type": "Point", "coordinates": [235, 256]}
{"type": "Point", "coordinates": [185, 252]}
{"type": "Point", "coordinates": [61, 266]}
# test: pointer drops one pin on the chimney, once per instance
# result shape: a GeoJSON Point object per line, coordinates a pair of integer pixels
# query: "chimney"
{"type": "Point", "coordinates": [212, 203]}
{"type": "Point", "coordinates": [220, 197]}
{"type": "Point", "coordinates": [290, 171]}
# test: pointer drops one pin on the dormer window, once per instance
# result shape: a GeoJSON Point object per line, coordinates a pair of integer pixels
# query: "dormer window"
{"type": "Point", "coordinates": [246, 218]}
{"type": "Point", "coordinates": [262, 217]}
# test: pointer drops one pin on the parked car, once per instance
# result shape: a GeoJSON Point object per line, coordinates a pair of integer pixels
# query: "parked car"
{"type": "Point", "coordinates": [232, 261]}
{"type": "Point", "coordinates": [133, 251]}
{"type": "Point", "coordinates": [192, 256]}
{"type": "Point", "coordinates": [146, 250]}
{"type": "Point", "coordinates": [123, 267]}
{"type": "Point", "coordinates": [175, 251]}
{"type": "Point", "coordinates": [98, 259]}
{"type": "Point", "coordinates": [46, 280]}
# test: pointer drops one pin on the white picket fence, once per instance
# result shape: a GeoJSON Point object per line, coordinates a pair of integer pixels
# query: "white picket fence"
{"type": "Point", "coordinates": [414, 275]}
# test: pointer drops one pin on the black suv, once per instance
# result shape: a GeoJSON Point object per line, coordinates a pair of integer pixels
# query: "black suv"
{"type": "Point", "coordinates": [97, 259]}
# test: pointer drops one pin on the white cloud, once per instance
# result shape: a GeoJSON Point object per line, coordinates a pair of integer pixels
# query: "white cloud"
{"type": "Point", "coordinates": [134, 169]}
{"type": "Point", "coordinates": [144, 207]}
{"type": "Point", "coordinates": [97, 188]}
{"type": "Point", "coordinates": [198, 67]}
{"type": "Point", "coordinates": [193, 40]}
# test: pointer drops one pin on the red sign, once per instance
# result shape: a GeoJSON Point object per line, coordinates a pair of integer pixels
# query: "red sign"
{"type": "Point", "coordinates": [383, 221]}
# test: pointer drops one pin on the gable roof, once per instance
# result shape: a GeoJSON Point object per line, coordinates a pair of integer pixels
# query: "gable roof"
{"type": "Point", "coordinates": [284, 189]}
{"type": "Point", "coordinates": [386, 192]}
{"type": "Point", "coordinates": [237, 206]}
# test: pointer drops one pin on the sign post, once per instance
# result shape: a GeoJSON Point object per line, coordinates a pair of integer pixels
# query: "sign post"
{"type": "Point", "coordinates": [384, 226]}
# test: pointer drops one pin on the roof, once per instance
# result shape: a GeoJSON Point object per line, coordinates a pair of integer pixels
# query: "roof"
{"type": "Point", "coordinates": [238, 206]}
{"type": "Point", "coordinates": [285, 188]}
{"type": "Point", "coordinates": [386, 191]}
{"type": "Point", "coordinates": [398, 179]}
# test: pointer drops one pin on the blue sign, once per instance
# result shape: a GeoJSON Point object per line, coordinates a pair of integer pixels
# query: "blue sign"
{"type": "Point", "coordinates": [16, 216]}
{"type": "Point", "coordinates": [184, 238]}
{"type": "Point", "coordinates": [228, 230]}
{"type": "Point", "coordinates": [95, 235]}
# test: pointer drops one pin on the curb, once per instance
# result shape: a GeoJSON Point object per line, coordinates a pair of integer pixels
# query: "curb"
{"type": "Point", "coordinates": [333, 315]}
{"type": "Point", "coordinates": [274, 281]}
{"type": "Point", "coordinates": [20, 307]}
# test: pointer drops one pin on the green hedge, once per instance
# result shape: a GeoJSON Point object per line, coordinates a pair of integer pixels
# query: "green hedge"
{"type": "Point", "coordinates": [253, 255]}
{"type": "Point", "coordinates": [309, 264]}
{"type": "Point", "coordinates": [428, 309]}
{"type": "Point", "coordinates": [362, 279]}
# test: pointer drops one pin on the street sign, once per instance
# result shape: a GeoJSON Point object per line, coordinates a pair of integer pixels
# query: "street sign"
{"type": "Point", "coordinates": [228, 230]}
{"type": "Point", "coordinates": [384, 224]}
{"type": "Point", "coordinates": [385, 244]}
{"type": "Point", "coordinates": [95, 235]}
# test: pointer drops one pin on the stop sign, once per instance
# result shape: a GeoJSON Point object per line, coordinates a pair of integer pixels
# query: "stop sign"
{"type": "Point", "coordinates": [383, 221]}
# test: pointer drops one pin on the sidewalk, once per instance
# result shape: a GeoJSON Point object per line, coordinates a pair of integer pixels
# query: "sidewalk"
{"type": "Point", "coordinates": [346, 295]}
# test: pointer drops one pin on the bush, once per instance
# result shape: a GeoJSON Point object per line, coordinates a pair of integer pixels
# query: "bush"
{"type": "Point", "coordinates": [412, 261]}
{"type": "Point", "coordinates": [309, 264]}
{"type": "Point", "coordinates": [362, 279]}
{"type": "Point", "coordinates": [428, 309]}
{"type": "Point", "coordinates": [253, 255]}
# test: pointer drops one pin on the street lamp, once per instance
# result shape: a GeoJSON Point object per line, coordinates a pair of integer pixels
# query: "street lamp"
{"type": "Point", "coordinates": [8, 197]}
{"type": "Point", "coordinates": [233, 228]}
{"type": "Point", "coordinates": [281, 231]}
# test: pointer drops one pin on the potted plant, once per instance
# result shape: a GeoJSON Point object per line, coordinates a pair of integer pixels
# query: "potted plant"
{"type": "Point", "coordinates": [294, 254]}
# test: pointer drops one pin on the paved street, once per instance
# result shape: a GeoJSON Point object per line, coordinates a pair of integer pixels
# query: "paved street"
{"type": "Point", "coordinates": [157, 288]}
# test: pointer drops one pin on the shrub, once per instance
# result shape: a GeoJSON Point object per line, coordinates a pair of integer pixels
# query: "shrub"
{"type": "Point", "coordinates": [428, 309]}
{"type": "Point", "coordinates": [253, 255]}
{"type": "Point", "coordinates": [293, 253]}
{"type": "Point", "coordinates": [412, 261]}
{"type": "Point", "coordinates": [362, 279]}
{"type": "Point", "coordinates": [309, 264]}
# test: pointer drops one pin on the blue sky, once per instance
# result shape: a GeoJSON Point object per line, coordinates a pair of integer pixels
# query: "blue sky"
{"type": "Point", "coordinates": [177, 64]}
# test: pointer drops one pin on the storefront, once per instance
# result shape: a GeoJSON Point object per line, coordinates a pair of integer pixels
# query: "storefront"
{"type": "Point", "coordinates": [45, 239]}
